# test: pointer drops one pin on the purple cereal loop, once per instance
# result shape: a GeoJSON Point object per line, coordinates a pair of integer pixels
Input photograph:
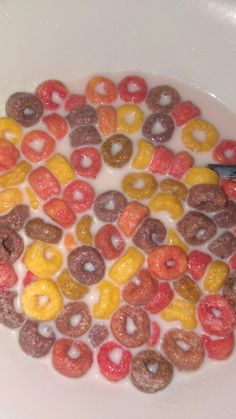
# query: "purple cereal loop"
{"type": "Point", "coordinates": [32, 342]}
{"type": "Point", "coordinates": [77, 261]}
{"type": "Point", "coordinates": [25, 108]}
{"type": "Point", "coordinates": [149, 128]}
{"type": "Point", "coordinates": [8, 314]}
{"type": "Point", "coordinates": [63, 321]}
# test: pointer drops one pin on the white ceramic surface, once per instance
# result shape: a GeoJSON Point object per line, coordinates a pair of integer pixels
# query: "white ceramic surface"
{"type": "Point", "coordinates": [192, 40]}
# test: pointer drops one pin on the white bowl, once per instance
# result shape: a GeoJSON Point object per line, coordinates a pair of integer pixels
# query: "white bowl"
{"type": "Point", "coordinates": [191, 40]}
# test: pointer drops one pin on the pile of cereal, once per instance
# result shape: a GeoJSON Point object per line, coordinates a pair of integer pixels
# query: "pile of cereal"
{"type": "Point", "coordinates": [90, 275]}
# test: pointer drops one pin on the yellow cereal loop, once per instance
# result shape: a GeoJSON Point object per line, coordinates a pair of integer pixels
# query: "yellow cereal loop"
{"type": "Point", "coordinates": [167, 202]}
{"type": "Point", "coordinates": [69, 287]}
{"type": "Point", "coordinates": [41, 300]}
{"type": "Point", "coordinates": [181, 310]}
{"type": "Point", "coordinates": [61, 168]}
{"type": "Point", "coordinates": [32, 198]}
{"type": "Point", "coordinates": [16, 175]}
{"type": "Point", "coordinates": [127, 266]}
{"type": "Point", "coordinates": [42, 259]}
{"type": "Point", "coordinates": [109, 300]}
{"type": "Point", "coordinates": [190, 135]}
{"type": "Point", "coordinates": [172, 238]}
{"type": "Point", "coordinates": [129, 118]}
{"type": "Point", "coordinates": [139, 186]}
{"type": "Point", "coordinates": [144, 156]}
{"type": "Point", "coordinates": [215, 276]}
{"type": "Point", "coordinates": [197, 175]}
{"type": "Point", "coordinates": [83, 230]}
{"type": "Point", "coordinates": [10, 130]}
{"type": "Point", "coordinates": [174, 187]}
{"type": "Point", "coordinates": [10, 198]}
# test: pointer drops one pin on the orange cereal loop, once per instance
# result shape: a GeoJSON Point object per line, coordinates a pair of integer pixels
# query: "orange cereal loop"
{"type": "Point", "coordinates": [83, 230]}
{"type": "Point", "coordinates": [131, 217]}
{"type": "Point", "coordinates": [107, 119]}
{"type": "Point", "coordinates": [105, 84]}
{"type": "Point", "coordinates": [69, 287]}
{"type": "Point", "coordinates": [69, 242]}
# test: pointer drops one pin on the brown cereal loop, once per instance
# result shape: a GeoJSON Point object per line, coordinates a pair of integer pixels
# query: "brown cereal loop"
{"type": "Point", "coordinates": [140, 320]}
{"type": "Point", "coordinates": [155, 95]}
{"type": "Point", "coordinates": [227, 217]}
{"type": "Point", "coordinates": [224, 245]}
{"type": "Point", "coordinates": [120, 158]}
{"type": "Point", "coordinates": [187, 359]}
{"type": "Point", "coordinates": [109, 205]}
{"type": "Point", "coordinates": [64, 320]}
{"type": "Point", "coordinates": [8, 314]}
{"type": "Point", "coordinates": [196, 228]}
{"type": "Point", "coordinates": [209, 198]}
{"type": "Point", "coordinates": [162, 119]}
{"type": "Point", "coordinates": [32, 342]}
{"type": "Point", "coordinates": [187, 289]}
{"type": "Point", "coordinates": [229, 291]}
{"type": "Point", "coordinates": [37, 229]}
{"type": "Point", "coordinates": [97, 334]}
{"type": "Point", "coordinates": [142, 292]}
{"type": "Point", "coordinates": [81, 259]}
{"type": "Point", "coordinates": [16, 218]}
{"type": "Point", "coordinates": [11, 245]}
{"type": "Point", "coordinates": [25, 108]}
{"type": "Point", "coordinates": [82, 115]}
{"type": "Point", "coordinates": [142, 376]}
{"type": "Point", "coordinates": [151, 233]}
{"type": "Point", "coordinates": [85, 135]}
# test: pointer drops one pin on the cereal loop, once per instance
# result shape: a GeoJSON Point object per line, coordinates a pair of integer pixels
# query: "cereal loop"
{"type": "Point", "coordinates": [190, 139]}
{"type": "Point", "coordinates": [41, 138]}
{"type": "Point", "coordinates": [86, 161]}
{"type": "Point", "coordinates": [145, 153]}
{"type": "Point", "coordinates": [139, 186]}
{"type": "Point", "coordinates": [183, 311]}
{"type": "Point", "coordinates": [117, 150]}
{"type": "Point", "coordinates": [32, 342]}
{"type": "Point", "coordinates": [65, 364]}
{"type": "Point", "coordinates": [128, 93]}
{"type": "Point", "coordinates": [114, 371]}
{"type": "Point", "coordinates": [9, 126]}
{"type": "Point", "coordinates": [42, 259]}
{"type": "Point", "coordinates": [107, 119]}
{"type": "Point", "coordinates": [167, 202]}
{"type": "Point", "coordinates": [108, 95]}
{"type": "Point", "coordinates": [165, 124]}
{"type": "Point", "coordinates": [167, 262]}
{"type": "Point", "coordinates": [197, 175]}
{"type": "Point", "coordinates": [225, 152]}
{"type": "Point", "coordinates": [24, 108]}
{"type": "Point", "coordinates": [127, 266]}
{"type": "Point", "coordinates": [174, 187]}
{"type": "Point", "coordinates": [109, 300]}
{"type": "Point", "coordinates": [141, 293]}
{"type": "Point", "coordinates": [70, 311]}
{"type": "Point", "coordinates": [83, 229]}
{"type": "Point", "coordinates": [46, 90]}
{"type": "Point", "coordinates": [15, 176]}
{"type": "Point", "coordinates": [9, 198]}
{"type": "Point", "coordinates": [8, 155]}
{"type": "Point", "coordinates": [129, 118]}
{"type": "Point", "coordinates": [158, 95]}
{"type": "Point", "coordinates": [86, 265]}
{"type": "Point", "coordinates": [69, 287]}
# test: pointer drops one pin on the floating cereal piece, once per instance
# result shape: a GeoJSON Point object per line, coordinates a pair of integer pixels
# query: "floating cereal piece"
{"type": "Point", "coordinates": [196, 228]}
{"type": "Point", "coordinates": [65, 364]}
{"type": "Point", "coordinates": [82, 115]}
{"type": "Point", "coordinates": [109, 241]}
{"type": "Point", "coordinates": [59, 212]}
{"type": "Point", "coordinates": [24, 108]}
{"type": "Point", "coordinates": [184, 111]}
{"type": "Point", "coordinates": [114, 371]}
{"type": "Point", "coordinates": [127, 266]}
{"type": "Point", "coordinates": [173, 239]}
{"type": "Point", "coordinates": [181, 310]}
{"type": "Point", "coordinates": [162, 160]}
{"type": "Point", "coordinates": [44, 142]}
{"type": "Point", "coordinates": [129, 118]}
{"type": "Point", "coordinates": [16, 175]}
{"type": "Point", "coordinates": [227, 217]}
{"type": "Point", "coordinates": [60, 168]}
{"type": "Point", "coordinates": [46, 91]}
{"type": "Point", "coordinates": [32, 198]}
{"type": "Point", "coordinates": [9, 317]}
{"type": "Point", "coordinates": [69, 287]}
{"type": "Point", "coordinates": [131, 216]}
{"type": "Point", "coordinates": [167, 262]}
{"type": "Point", "coordinates": [182, 162]}
{"type": "Point", "coordinates": [202, 127]}
{"type": "Point", "coordinates": [64, 321]}
{"type": "Point", "coordinates": [83, 229]}
{"type": "Point", "coordinates": [97, 334]}
{"type": "Point", "coordinates": [11, 245]}
{"type": "Point", "coordinates": [164, 121]}
{"type": "Point", "coordinates": [56, 125]}
{"type": "Point", "coordinates": [141, 293]}
{"type": "Point", "coordinates": [86, 196]}
{"type": "Point", "coordinates": [32, 342]}
{"type": "Point", "coordinates": [208, 198]}
{"type": "Point", "coordinates": [161, 299]}
{"type": "Point", "coordinates": [8, 155]}
{"type": "Point", "coordinates": [196, 175]}
{"type": "Point", "coordinates": [219, 349]}
{"type": "Point", "coordinates": [97, 98]}
{"type": "Point", "coordinates": [145, 153]}
{"type": "Point", "coordinates": [174, 187]}
{"type": "Point", "coordinates": [156, 95]}
{"type": "Point", "coordinates": [107, 119]}
{"type": "Point", "coordinates": [89, 155]}
{"type": "Point", "coordinates": [221, 152]}
{"type": "Point", "coordinates": [37, 229]}
{"type": "Point", "coordinates": [215, 276]}
{"type": "Point", "coordinates": [117, 150]}
{"type": "Point", "coordinates": [224, 246]}
{"type": "Point", "coordinates": [42, 259]}
{"type": "Point", "coordinates": [197, 263]}
{"type": "Point", "coordinates": [16, 218]}
{"type": "Point", "coordinates": [86, 265]}
{"type": "Point", "coordinates": [8, 125]}
{"type": "Point", "coordinates": [109, 300]}
{"type": "Point", "coordinates": [187, 289]}
{"type": "Point", "coordinates": [149, 234]}
{"type": "Point", "coordinates": [128, 93]}
{"type": "Point", "coordinates": [167, 202]}
{"type": "Point", "coordinates": [44, 183]}
{"type": "Point", "coordinates": [9, 198]}
{"type": "Point", "coordinates": [84, 135]}
{"type": "Point", "coordinates": [216, 315]}
{"type": "Point", "coordinates": [109, 205]}
{"type": "Point", "coordinates": [148, 188]}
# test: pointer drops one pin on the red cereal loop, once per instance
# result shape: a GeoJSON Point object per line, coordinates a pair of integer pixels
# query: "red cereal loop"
{"type": "Point", "coordinates": [40, 139]}
{"type": "Point", "coordinates": [225, 152]}
{"type": "Point", "coordinates": [114, 371]}
{"type": "Point", "coordinates": [47, 89]}
{"type": "Point", "coordinates": [65, 364]}
{"type": "Point", "coordinates": [184, 111]}
{"type": "Point", "coordinates": [29, 277]}
{"type": "Point", "coordinates": [8, 155]}
{"type": "Point", "coordinates": [8, 276]}
{"type": "Point", "coordinates": [74, 100]}
{"type": "Point", "coordinates": [79, 196]}
{"type": "Point", "coordinates": [109, 241]}
{"type": "Point", "coordinates": [197, 263]}
{"type": "Point", "coordinates": [155, 334]}
{"type": "Point", "coordinates": [56, 125]}
{"type": "Point", "coordinates": [97, 98]}
{"type": "Point", "coordinates": [216, 315]}
{"type": "Point", "coordinates": [232, 262]}
{"type": "Point", "coordinates": [219, 349]}
{"type": "Point", "coordinates": [181, 163]}
{"type": "Point", "coordinates": [44, 183]}
{"type": "Point", "coordinates": [86, 161]}
{"type": "Point", "coordinates": [58, 211]}
{"type": "Point", "coordinates": [162, 160]}
{"type": "Point", "coordinates": [229, 187]}
{"type": "Point", "coordinates": [167, 262]}
{"type": "Point", "coordinates": [128, 94]}
{"type": "Point", "coordinates": [161, 299]}
{"type": "Point", "coordinates": [142, 292]}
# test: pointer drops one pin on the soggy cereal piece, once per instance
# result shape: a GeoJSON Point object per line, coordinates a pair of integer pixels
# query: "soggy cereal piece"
{"type": "Point", "coordinates": [184, 111]}
{"type": "Point", "coordinates": [142, 292]}
{"type": "Point", "coordinates": [162, 120]}
{"type": "Point", "coordinates": [173, 239]}
{"type": "Point", "coordinates": [37, 229]}
{"type": "Point", "coordinates": [126, 112]}
{"type": "Point", "coordinates": [224, 246]}
{"type": "Point", "coordinates": [79, 196]}
{"type": "Point", "coordinates": [16, 175]}
{"type": "Point", "coordinates": [69, 287]}
{"type": "Point", "coordinates": [229, 187]}
{"type": "Point", "coordinates": [83, 229]}
{"type": "Point", "coordinates": [8, 277]}
{"type": "Point", "coordinates": [131, 185]}
{"type": "Point", "coordinates": [215, 276]}
{"type": "Point", "coordinates": [187, 289]}
{"type": "Point", "coordinates": [196, 228]}
{"type": "Point", "coordinates": [86, 161]}
{"type": "Point", "coordinates": [225, 152]}
{"type": "Point", "coordinates": [8, 155]}
{"type": "Point", "coordinates": [9, 317]}
{"type": "Point", "coordinates": [37, 145]}
{"type": "Point", "coordinates": [56, 125]}
{"type": "Point", "coordinates": [16, 218]}
{"type": "Point", "coordinates": [167, 262]}
{"type": "Point", "coordinates": [120, 330]}
{"type": "Point", "coordinates": [34, 343]}
{"type": "Point", "coordinates": [109, 205]}
{"type": "Point", "coordinates": [11, 245]}
{"type": "Point", "coordinates": [174, 187]}
{"type": "Point", "coordinates": [24, 108]}
{"type": "Point", "coordinates": [182, 162]}
{"type": "Point", "coordinates": [132, 89]}
{"type": "Point", "coordinates": [216, 315]}
{"type": "Point", "coordinates": [9, 198]}
{"type": "Point", "coordinates": [197, 263]}
{"type": "Point", "coordinates": [60, 168]}
{"type": "Point", "coordinates": [44, 183]}
{"type": "Point", "coordinates": [42, 259]}
{"type": "Point", "coordinates": [114, 371]}
{"type": "Point", "coordinates": [69, 242]}
{"type": "Point", "coordinates": [71, 311]}
{"type": "Point", "coordinates": [229, 290]}
{"type": "Point", "coordinates": [108, 95]}
{"type": "Point", "coordinates": [109, 300]}
{"type": "Point", "coordinates": [185, 359]}
{"type": "Point", "coordinates": [143, 378]}
{"type": "Point", "coordinates": [126, 266]}
{"type": "Point", "coordinates": [109, 241]}
{"type": "Point", "coordinates": [131, 216]}
{"type": "Point", "coordinates": [149, 234]}
{"type": "Point", "coordinates": [74, 100]}
{"type": "Point", "coordinates": [8, 125]}
{"type": "Point", "coordinates": [67, 365]}
{"type": "Point", "coordinates": [82, 115]}
{"type": "Point", "coordinates": [183, 311]}
{"type": "Point", "coordinates": [219, 349]}
{"type": "Point", "coordinates": [86, 264]}
{"type": "Point", "coordinates": [32, 198]}
{"type": "Point", "coordinates": [167, 202]}
{"type": "Point", "coordinates": [158, 94]}
{"type": "Point", "coordinates": [227, 217]}
{"type": "Point", "coordinates": [196, 175]}
{"type": "Point", "coordinates": [97, 334]}
{"type": "Point", "coordinates": [59, 212]}
{"type": "Point", "coordinates": [202, 128]}
{"type": "Point", "coordinates": [107, 119]}
{"type": "Point", "coordinates": [162, 160]}
{"type": "Point", "coordinates": [117, 150]}
{"type": "Point", "coordinates": [46, 91]}
{"type": "Point", "coordinates": [208, 198]}
{"type": "Point", "coordinates": [144, 155]}
{"type": "Point", "coordinates": [161, 299]}
{"type": "Point", "coordinates": [84, 135]}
